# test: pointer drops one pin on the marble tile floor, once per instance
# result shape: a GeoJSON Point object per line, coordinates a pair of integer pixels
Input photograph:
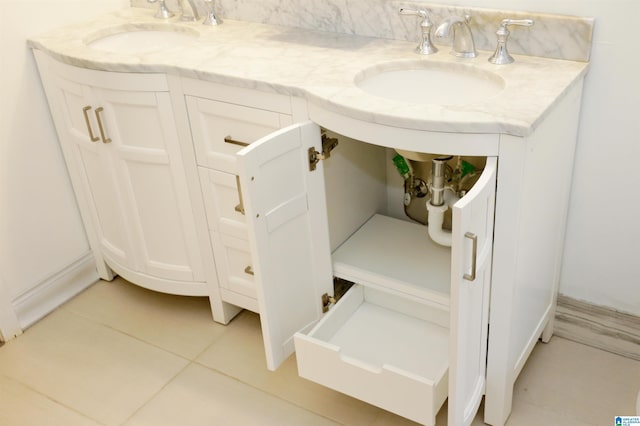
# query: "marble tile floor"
{"type": "Point", "coordinates": [121, 355]}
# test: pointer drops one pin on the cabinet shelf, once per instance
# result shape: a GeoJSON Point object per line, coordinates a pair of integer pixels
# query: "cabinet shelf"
{"type": "Point", "coordinates": [397, 255]}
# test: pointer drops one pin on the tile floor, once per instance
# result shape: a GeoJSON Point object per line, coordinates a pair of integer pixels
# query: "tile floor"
{"type": "Point", "coordinates": [121, 355]}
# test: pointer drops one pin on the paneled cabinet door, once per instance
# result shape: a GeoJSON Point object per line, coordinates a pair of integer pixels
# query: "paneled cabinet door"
{"type": "Point", "coordinates": [122, 149]}
{"type": "Point", "coordinates": [91, 169]}
{"type": "Point", "coordinates": [287, 222]}
{"type": "Point", "coordinates": [471, 254]}
{"type": "Point", "coordinates": [147, 164]}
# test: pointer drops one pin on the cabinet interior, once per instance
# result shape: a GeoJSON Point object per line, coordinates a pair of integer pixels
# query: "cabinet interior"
{"type": "Point", "coordinates": [391, 330]}
{"type": "Point", "coordinates": [373, 240]}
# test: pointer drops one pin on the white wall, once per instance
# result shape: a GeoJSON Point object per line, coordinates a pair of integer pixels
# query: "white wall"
{"type": "Point", "coordinates": [40, 228]}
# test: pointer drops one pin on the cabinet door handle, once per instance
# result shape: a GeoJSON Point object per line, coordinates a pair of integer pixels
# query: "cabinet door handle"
{"type": "Point", "coordinates": [474, 256]}
{"type": "Point", "coordinates": [100, 126]}
{"type": "Point", "coordinates": [86, 120]}
{"type": "Point", "coordinates": [232, 141]}
{"type": "Point", "coordinates": [248, 270]}
{"type": "Point", "coordinates": [240, 207]}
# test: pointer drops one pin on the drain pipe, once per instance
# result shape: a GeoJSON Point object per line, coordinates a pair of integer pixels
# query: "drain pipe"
{"type": "Point", "coordinates": [438, 205]}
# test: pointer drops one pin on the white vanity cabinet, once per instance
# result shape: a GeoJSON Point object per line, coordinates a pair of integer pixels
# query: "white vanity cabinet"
{"type": "Point", "coordinates": [413, 328]}
{"type": "Point", "coordinates": [119, 139]}
{"type": "Point", "coordinates": [166, 185]}
{"type": "Point", "coordinates": [223, 120]}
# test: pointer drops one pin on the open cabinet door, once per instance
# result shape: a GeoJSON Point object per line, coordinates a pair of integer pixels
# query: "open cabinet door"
{"type": "Point", "coordinates": [471, 253]}
{"type": "Point", "coordinates": [286, 215]}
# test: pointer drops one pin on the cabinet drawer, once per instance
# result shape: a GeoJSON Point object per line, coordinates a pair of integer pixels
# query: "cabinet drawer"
{"type": "Point", "coordinates": [370, 348]}
{"type": "Point", "coordinates": [221, 129]}
{"type": "Point", "coordinates": [234, 264]}
{"type": "Point", "coordinates": [223, 204]}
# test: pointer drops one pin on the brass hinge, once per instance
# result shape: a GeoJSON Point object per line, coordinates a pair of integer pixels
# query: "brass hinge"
{"type": "Point", "coordinates": [340, 287]}
{"type": "Point", "coordinates": [328, 144]}
{"type": "Point", "coordinates": [327, 302]}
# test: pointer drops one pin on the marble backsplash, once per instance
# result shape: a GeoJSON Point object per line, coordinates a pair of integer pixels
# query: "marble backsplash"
{"type": "Point", "coordinates": [552, 36]}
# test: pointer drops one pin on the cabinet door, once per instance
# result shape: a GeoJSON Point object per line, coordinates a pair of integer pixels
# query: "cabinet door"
{"type": "Point", "coordinates": [90, 167]}
{"type": "Point", "coordinates": [472, 227]}
{"type": "Point", "coordinates": [289, 238]}
{"type": "Point", "coordinates": [148, 167]}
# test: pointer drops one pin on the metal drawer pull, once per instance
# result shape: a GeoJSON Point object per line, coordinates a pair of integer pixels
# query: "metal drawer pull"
{"type": "Point", "coordinates": [474, 254]}
{"type": "Point", "coordinates": [240, 207]}
{"type": "Point", "coordinates": [86, 120]}
{"type": "Point", "coordinates": [104, 138]}
{"type": "Point", "coordinates": [248, 270]}
{"type": "Point", "coordinates": [231, 140]}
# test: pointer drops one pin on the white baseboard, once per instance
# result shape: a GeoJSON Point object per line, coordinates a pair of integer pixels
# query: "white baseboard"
{"type": "Point", "coordinates": [56, 290]}
{"type": "Point", "coordinates": [597, 326]}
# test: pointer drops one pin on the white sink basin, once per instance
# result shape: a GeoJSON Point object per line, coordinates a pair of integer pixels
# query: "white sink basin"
{"type": "Point", "coordinates": [133, 39]}
{"type": "Point", "coordinates": [429, 83]}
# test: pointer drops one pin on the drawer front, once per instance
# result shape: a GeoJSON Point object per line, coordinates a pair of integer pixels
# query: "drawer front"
{"type": "Point", "coordinates": [223, 203]}
{"type": "Point", "coordinates": [367, 348]}
{"type": "Point", "coordinates": [221, 129]}
{"type": "Point", "coordinates": [234, 264]}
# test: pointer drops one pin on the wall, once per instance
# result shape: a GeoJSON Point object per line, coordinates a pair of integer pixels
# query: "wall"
{"type": "Point", "coordinates": [41, 234]}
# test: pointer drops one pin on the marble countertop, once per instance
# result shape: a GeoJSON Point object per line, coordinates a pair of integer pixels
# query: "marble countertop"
{"type": "Point", "coordinates": [321, 67]}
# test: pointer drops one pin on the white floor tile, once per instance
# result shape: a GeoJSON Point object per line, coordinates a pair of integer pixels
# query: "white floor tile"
{"type": "Point", "coordinates": [581, 382]}
{"type": "Point", "coordinates": [182, 325]}
{"type": "Point", "coordinates": [119, 353]}
{"type": "Point", "coordinates": [100, 372]}
{"type": "Point", "coordinates": [199, 396]}
{"type": "Point", "coordinates": [21, 406]}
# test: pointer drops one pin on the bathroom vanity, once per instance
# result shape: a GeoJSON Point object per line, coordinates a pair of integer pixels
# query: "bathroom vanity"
{"type": "Point", "coordinates": [265, 184]}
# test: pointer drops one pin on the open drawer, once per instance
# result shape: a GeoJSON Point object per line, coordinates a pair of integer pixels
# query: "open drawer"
{"type": "Point", "coordinates": [381, 348]}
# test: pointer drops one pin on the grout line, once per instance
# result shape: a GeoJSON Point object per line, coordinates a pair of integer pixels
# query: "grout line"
{"type": "Point", "coordinates": [50, 398]}
{"type": "Point", "coordinates": [124, 333]}
{"type": "Point", "coordinates": [144, 404]}
{"type": "Point", "coordinates": [222, 373]}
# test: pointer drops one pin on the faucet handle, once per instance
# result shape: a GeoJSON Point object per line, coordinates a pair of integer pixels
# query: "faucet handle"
{"type": "Point", "coordinates": [425, 47]}
{"type": "Point", "coordinates": [162, 12]}
{"type": "Point", "coordinates": [501, 56]}
{"type": "Point", "coordinates": [523, 22]}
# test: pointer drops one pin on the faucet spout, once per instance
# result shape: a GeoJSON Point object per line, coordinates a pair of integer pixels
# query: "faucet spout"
{"type": "Point", "coordinates": [189, 10]}
{"type": "Point", "coordinates": [459, 30]}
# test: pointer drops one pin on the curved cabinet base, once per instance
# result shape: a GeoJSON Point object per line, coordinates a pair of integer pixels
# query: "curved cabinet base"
{"type": "Point", "coordinates": [180, 288]}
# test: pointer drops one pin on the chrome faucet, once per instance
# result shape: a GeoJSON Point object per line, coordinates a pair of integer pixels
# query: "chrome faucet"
{"type": "Point", "coordinates": [458, 29]}
{"type": "Point", "coordinates": [162, 12]}
{"type": "Point", "coordinates": [189, 10]}
{"type": "Point", "coordinates": [425, 47]}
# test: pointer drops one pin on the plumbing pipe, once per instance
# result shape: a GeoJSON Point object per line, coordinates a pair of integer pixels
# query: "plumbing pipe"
{"type": "Point", "coordinates": [438, 166]}
{"type": "Point", "coordinates": [436, 219]}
